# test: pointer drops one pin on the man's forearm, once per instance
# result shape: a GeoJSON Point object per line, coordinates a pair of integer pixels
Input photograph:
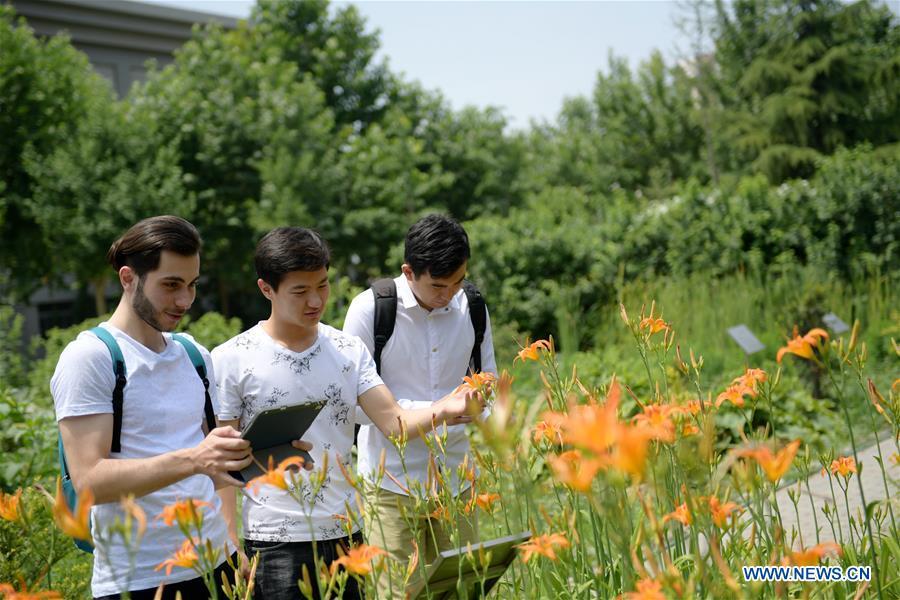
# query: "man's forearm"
{"type": "Point", "coordinates": [112, 479]}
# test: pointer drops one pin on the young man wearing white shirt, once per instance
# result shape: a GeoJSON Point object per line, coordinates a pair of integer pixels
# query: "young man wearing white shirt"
{"type": "Point", "coordinates": [289, 359]}
{"type": "Point", "coordinates": [164, 454]}
{"type": "Point", "coordinates": [425, 358]}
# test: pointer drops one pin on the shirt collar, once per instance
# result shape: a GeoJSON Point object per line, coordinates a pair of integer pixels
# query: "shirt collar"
{"type": "Point", "coordinates": [408, 299]}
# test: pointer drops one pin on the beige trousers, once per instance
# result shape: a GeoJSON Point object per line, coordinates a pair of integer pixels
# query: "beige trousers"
{"type": "Point", "coordinates": [393, 522]}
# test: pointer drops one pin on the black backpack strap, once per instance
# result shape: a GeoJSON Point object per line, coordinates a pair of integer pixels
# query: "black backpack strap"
{"type": "Point", "coordinates": [118, 397]}
{"type": "Point", "coordinates": [478, 314]}
{"type": "Point", "coordinates": [200, 367]}
{"type": "Point", "coordinates": [385, 292]}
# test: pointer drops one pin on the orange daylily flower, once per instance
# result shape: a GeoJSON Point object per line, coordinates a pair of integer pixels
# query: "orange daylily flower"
{"type": "Point", "coordinates": [751, 378]}
{"type": "Point", "coordinates": [358, 560]}
{"type": "Point", "coordinates": [8, 592]}
{"type": "Point", "coordinates": [276, 477]}
{"type": "Point", "coordinates": [646, 589]}
{"type": "Point", "coordinates": [812, 556]}
{"type": "Point", "coordinates": [594, 427]}
{"type": "Point", "coordinates": [134, 511]}
{"type": "Point", "coordinates": [774, 466]}
{"type": "Point", "coordinates": [478, 380]}
{"type": "Point", "coordinates": [545, 545]}
{"type": "Point", "coordinates": [680, 514]}
{"type": "Point", "coordinates": [803, 346]}
{"type": "Point", "coordinates": [9, 506]}
{"type": "Point", "coordinates": [655, 419]}
{"type": "Point", "coordinates": [77, 524]}
{"type": "Point", "coordinates": [441, 513]}
{"type": "Point", "coordinates": [486, 501]}
{"type": "Point", "coordinates": [530, 351]}
{"type": "Point", "coordinates": [630, 453]}
{"type": "Point", "coordinates": [185, 557]}
{"type": "Point", "coordinates": [184, 512]}
{"type": "Point", "coordinates": [735, 394]}
{"type": "Point", "coordinates": [571, 468]}
{"type": "Point", "coordinates": [550, 428]}
{"type": "Point", "coordinates": [691, 407]}
{"type": "Point", "coordinates": [654, 325]}
{"type": "Point", "coordinates": [720, 512]}
{"type": "Point", "coordinates": [844, 465]}
{"type": "Point", "coordinates": [689, 429]}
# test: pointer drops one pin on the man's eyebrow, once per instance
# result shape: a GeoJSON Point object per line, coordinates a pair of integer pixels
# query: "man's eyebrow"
{"type": "Point", "coordinates": [177, 279]}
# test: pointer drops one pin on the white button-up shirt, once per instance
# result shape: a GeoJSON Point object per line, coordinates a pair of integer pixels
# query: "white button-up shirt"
{"type": "Point", "coordinates": [423, 361]}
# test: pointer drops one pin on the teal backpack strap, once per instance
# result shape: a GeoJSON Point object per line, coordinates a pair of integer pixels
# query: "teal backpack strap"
{"type": "Point", "coordinates": [200, 366]}
{"type": "Point", "coordinates": [118, 363]}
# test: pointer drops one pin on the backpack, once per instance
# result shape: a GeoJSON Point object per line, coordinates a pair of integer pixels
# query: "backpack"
{"type": "Point", "coordinates": [385, 291]}
{"type": "Point", "coordinates": [118, 362]}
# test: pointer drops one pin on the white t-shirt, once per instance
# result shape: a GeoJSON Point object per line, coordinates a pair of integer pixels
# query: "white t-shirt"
{"type": "Point", "coordinates": [424, 360]}
{"type": "Point", "coordinates": [162, 412]}
{"type": "Point", "coordinates": [254, 373]}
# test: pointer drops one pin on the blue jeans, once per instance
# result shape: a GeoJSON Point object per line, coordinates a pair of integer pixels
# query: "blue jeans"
{"type": "Point", "coordinates": [281, 567]}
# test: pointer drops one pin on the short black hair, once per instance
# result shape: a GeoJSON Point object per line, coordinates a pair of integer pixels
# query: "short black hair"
{"type": "Point", "coordinates": [287, 249]}
{"type": "Point", "coordinates": [436, 244]}
{"type": "Point", "coordinates": [141, 246]}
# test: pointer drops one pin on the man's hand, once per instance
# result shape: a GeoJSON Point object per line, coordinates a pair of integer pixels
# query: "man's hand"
{"type": "Point", "coordinates": [306, 447]}
{"type": "Point", "coordinates": [223, 450]}
{"type": "Point", "coordinates": [462, 405]}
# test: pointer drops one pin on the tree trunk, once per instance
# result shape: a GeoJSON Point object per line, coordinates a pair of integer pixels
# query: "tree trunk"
{"type": "Point", "coordinates": [99, 284]}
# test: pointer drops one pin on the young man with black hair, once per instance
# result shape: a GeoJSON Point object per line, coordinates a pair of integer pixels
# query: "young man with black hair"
{"type": "Point", "coordinates": [432, 346]}
{"type": "Point", "coordinates": [292, 358]}
{"type": "Point", "coordinates": [163, 454]}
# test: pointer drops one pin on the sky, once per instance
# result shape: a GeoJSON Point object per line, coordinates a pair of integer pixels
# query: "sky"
{"type": "Point", "coordinates": [523, 57]}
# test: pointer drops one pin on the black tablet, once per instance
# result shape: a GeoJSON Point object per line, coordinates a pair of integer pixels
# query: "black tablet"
{"type": "Point", "coordinates": [271, 432]}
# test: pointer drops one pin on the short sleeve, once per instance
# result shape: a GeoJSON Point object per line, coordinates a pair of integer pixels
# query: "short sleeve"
{"type": "Point", "coordinates": [228, 406]}
{"type": "Point", "coordinates": [368, 374]}
{"type": "Point", "coordinates": [360, 319]}
{"type": "Point", "coordinates": [83, 381]}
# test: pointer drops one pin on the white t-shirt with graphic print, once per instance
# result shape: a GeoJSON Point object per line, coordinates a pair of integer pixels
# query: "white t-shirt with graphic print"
{"type": "Point", "coordinates": [255, 373]}
{"type": "Point", "coordinates": [162, 412]}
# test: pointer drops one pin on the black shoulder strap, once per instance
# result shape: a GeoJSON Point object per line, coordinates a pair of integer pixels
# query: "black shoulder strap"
{"type": "Point", "coordinates": [200, 367]}
{"type": "Point", "coordinates": [385, 291]}
{"type": "Point", "coordinates": [118, 397]}
{"type": "Point", "coordinates": [478, 314]}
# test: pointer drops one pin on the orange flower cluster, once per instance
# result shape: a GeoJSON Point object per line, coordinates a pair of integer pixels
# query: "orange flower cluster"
{"type": "Point", "coordinates": [486, 501]}
{"type": "Point", "coordinates": [8, 592]}
{"type": "Point", "coordinates": [9, 506]}
{"type": "Point", "coordinates": [547, 430]}
{"type": "Point", "coordinates": [646, 589]}
{"type": "Point", "coordinates": [773, 465]}
{"type": "Point", "coordinates": [184, 512]}
{"type": "Point", "coordinates": [185, 557]}
{"type": "Point", "coordinates": [77, 524]}
{"type": "Point", "coordinates": [477, 381]}
{"type": "Point", "coordinates": [745, 385]}
{"type": "Point", "coordinates": [530, 351]}
{"type": "Point", "coordinates": [718, 511]}
{"type": "Point", "coordinates": [812, 556]}
{"type": "Point", "coordinates": [275, 476]}
{"type": "Point", "coordinates": [681, 514]}
{"type": "Point", "coordinates": [545, 545]}
{"type": "Point", "coordinates": [358, 560]}
{"type": "Point", "coordinates": [602, 441]}
{"type": "Point", "coordinates": [843, 466]}
{"type": "Point", "coordinates": [654, 325]}
{"type": "Point", "coordinates": [803, 346]}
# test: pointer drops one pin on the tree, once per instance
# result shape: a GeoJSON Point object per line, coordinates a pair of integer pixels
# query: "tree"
{"type": "Point", "coordinates": [810, 76]}
{"type": "Point", "coordinates": [47, 89]}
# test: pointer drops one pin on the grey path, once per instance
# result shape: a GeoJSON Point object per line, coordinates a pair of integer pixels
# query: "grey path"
{"type": "Point", "coordinates": [820, 495]}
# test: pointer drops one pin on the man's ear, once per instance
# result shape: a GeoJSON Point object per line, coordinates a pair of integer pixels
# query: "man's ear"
{"type": "Point", "coordinates": [128, 278]}
{"type": "Point", "coordinates": [265, 288]}
{"type": "Point", "coordinates": [408, 272]}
